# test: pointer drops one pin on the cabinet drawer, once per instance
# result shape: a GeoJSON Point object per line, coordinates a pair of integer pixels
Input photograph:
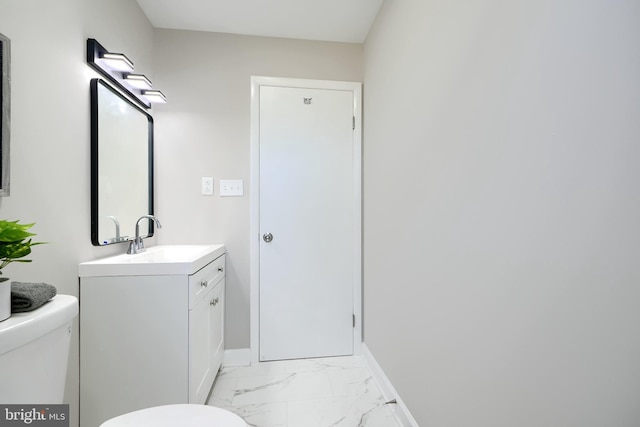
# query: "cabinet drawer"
{"type": "Point", "coordinates": [205, 279]}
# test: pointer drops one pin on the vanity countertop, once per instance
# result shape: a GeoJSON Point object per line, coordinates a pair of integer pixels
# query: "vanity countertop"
{"type": "Point", "coordinates": [154, 261]}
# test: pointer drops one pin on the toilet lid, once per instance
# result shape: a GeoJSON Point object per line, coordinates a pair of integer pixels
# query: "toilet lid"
{"type": "Point", "coordinates": [185, 415]}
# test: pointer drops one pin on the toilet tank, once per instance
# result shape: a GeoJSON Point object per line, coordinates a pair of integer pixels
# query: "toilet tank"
{"type": "Point", "coordinates": [34, 350]}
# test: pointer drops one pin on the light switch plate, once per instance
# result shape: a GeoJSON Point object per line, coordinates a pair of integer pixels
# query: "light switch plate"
{"type": "Point", "coordinates": [207, 186]}
{"type": "Point", "coordinates": [231, 187]}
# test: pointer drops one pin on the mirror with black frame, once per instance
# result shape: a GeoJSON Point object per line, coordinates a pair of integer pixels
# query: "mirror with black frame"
{"type": "Point", "coordinates": [5, 104]}
{"type": "Point", "coordinates": [121, 166]}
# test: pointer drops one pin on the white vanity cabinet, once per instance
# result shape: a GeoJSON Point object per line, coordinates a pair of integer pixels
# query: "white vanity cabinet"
{"type": "Point", "coordinates": [149, 339]}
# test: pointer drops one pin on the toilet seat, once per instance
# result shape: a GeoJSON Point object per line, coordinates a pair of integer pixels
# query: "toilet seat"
{"type": "Point", "coordinates": [183, 415]}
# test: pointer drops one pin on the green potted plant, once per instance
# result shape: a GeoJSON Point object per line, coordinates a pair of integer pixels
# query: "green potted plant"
{"type": "Point", "coordinates": [15, 244]}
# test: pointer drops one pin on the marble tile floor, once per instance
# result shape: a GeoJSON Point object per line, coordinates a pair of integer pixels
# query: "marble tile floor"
{"type": "Point", "coordinates": [327, 392]}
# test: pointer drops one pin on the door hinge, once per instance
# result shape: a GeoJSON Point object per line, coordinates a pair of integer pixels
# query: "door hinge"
{"type": "Point", "coordinates": [354, 320]}
{"type": "Point", "coordinates": [354, 123]}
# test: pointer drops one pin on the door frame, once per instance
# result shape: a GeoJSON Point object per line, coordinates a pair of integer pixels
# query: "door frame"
{"type": "Point", "coordinates": [254, 299]}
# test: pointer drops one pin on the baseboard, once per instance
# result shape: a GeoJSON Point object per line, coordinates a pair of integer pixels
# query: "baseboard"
{"type": "Point", "coordinates": [237, 357]}
{"type": "Point", "coordinates": [387, 389]}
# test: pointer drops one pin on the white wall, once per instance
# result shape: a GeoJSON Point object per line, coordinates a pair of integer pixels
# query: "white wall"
{"type": "Point", "coordinates": [50, 140]}
{"type": "Point", "coordinates": [502, 210]}
{"type": "Point", "coordinates": [204, 131]}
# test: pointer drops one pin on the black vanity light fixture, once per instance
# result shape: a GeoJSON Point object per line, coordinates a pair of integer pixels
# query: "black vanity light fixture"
{"type": "Point", "coordinates": [118, 69]}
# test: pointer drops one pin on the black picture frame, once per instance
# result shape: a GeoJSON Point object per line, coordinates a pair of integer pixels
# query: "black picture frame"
{"type": "Point", "coordinates": [5, 112]}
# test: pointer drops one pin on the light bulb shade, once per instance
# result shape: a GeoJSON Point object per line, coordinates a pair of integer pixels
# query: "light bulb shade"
{"type": "Point", "coordinates": [117, 61]}
{"type": "Point", "coordinates": [154, 96]}
{"type": "Point", "coordinates": [139, 81]}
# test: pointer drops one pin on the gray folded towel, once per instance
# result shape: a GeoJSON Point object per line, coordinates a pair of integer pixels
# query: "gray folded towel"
{"type": "Point", "coordinates": [29, 296]}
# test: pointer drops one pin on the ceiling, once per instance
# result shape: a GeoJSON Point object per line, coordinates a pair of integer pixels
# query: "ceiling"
{"type": "Point", "coordinates": [328, 20]}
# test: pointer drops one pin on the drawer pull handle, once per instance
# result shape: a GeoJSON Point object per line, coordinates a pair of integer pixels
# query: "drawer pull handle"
{"type": "Point", "coordinates": [204, 283]}
{"type": "Point", "coordinates": [215, 301]}
{"type": "Point", "coordinates": [220, 269]}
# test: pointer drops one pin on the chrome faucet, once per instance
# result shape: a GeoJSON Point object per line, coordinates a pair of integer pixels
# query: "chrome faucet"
{"type": "Point", "coordinates": [136, 245]}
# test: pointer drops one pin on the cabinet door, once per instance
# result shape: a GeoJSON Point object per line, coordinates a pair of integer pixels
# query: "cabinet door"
{"type": "Point", "coordinates": [199, 353]}
{"type": "Point", "coordinates": [216, 317]}
{"type": "Point", "coordinates": [205, 343]}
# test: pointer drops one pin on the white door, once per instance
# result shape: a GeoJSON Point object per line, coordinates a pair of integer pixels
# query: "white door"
{"type": "Point", "coordinates": [306, 210]}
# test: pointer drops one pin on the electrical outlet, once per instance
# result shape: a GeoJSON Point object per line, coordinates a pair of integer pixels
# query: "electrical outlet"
{"type": "Point", "coordinates": [207, 186]}
{"type": "Point", "coordinates": [231, 187]}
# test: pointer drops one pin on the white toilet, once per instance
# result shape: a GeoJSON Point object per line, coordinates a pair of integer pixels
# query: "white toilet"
{"type": "Point", "coordinates": [34, 350]}
{"type": "Point", "coordinates": [183, 415]}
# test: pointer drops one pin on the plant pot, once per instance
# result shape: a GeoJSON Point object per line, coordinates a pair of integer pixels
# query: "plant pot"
{"type": "Point", "coordinates": [5, 298]}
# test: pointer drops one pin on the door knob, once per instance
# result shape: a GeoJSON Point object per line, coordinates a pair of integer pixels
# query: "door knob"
{"type": "Point", "coordinates": [267, 237]}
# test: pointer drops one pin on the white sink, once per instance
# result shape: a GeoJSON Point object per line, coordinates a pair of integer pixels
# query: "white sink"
{"type": "Point", "coordinates": [156, 260]}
